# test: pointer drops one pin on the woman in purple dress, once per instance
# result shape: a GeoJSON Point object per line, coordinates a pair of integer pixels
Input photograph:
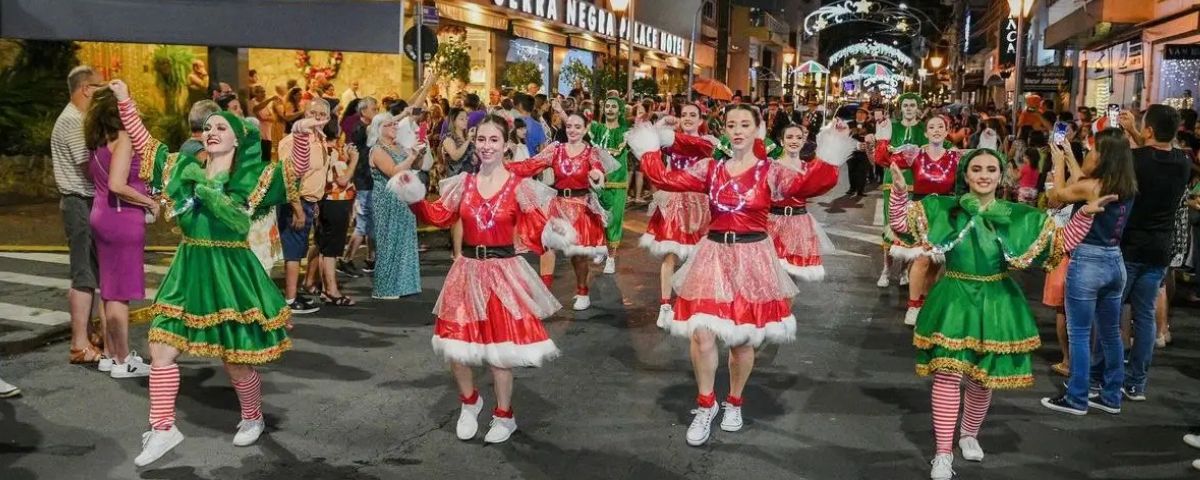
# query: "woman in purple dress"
{"type": "Point", "coordinates": [119, 216]}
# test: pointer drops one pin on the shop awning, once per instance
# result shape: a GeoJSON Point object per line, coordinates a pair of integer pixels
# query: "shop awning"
{"type": "Point", "coordinates": [355, 26]}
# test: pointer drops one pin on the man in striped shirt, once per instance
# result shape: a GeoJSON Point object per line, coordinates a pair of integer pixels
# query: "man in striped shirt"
{"type": "Point", "coordinates": [70, 157]}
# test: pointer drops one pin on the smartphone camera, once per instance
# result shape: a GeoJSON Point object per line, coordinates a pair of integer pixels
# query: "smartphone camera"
{"type": "Point", "coordinates": [1114, 112]}
{"type": "Point", "coordinates": [1060, 133]}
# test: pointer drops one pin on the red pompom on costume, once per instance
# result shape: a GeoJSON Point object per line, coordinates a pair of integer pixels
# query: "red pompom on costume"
{"type": "Point", "coordinates": [577, 221]}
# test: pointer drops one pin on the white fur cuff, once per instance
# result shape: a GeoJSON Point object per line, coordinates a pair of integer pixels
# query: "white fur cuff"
{"type": "Point", "coordinates": [666, 137]}
{"type": "Point", "coordinates": [407, 187]}
{"type": "Point", "coordinates": [834, 147]}
{"type": "Point", "coordinates": [642, 140]}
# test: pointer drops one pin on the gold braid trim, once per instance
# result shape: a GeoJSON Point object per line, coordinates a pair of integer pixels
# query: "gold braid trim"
{"type": "Point", "coordinates": [996, 277]}
{"type": "Point", "coordinates": [260, 188]}
{"type": "Point", "coordinates": [251, 357]}
{"type": "Point", "coordinates": [975, 373]}
{"type": "Point", "coordinates": [200, 242]}
{"type": "Point", "coordinates": [291, 182]}
{"type": "Point", "coordinates": [1046, 237]}
{"type": "Point", "coordinates": [167, 169]}
{"type": "Point", "coordinates": [146, 168]}
{"type": "Point", "coordinates": [974, 344]}
{"type": "Point", "coordinates": [253, 315]}
{"type": "Point", "coordinates": [1057, 250]}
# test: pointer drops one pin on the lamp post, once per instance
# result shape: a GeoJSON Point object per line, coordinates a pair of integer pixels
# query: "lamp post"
{"type": "Point", "coordinates": [622, 6]}
{"type": "Point", "coordinates": [1019, 9]}
{"type": "Point", "coordinates": [692, 52]}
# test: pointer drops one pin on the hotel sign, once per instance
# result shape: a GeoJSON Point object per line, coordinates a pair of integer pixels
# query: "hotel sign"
{"type": "Point", "coordinates": [590, 17]}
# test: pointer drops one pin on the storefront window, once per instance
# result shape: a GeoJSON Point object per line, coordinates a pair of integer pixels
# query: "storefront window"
{"type": "Point", "coordinates": [582, 56]}
{"type": "Point", "coordinates": [523, 50]}
{"type": "Point", "coordinates": [1179, 82]}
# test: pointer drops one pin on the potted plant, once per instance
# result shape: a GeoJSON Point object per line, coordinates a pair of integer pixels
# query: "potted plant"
{"type": "Point", "coordinates": [452, 62]}
{"type": "Point", "coordinates": [520, 74]}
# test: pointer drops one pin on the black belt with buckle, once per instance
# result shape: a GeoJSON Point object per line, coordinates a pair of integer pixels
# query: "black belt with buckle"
{"type": "Point", "coordinates": [484, 252]}
{"type": "Point", "coordinates": [573, 192]}
{"type": "Point", "coordinates": [789, 211]}
{"type": "Point", "coordinates": [737, 237]}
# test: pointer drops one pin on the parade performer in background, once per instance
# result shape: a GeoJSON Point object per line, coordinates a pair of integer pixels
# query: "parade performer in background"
{"type": "Point", "coordinates": [610, 136]}
{"type": "Point", "coordinates": [236, 313]}
{"type": "Point", "coordinates": [798, 238]}
{"type": "Point", "coordinates": [890, 135]}
{"type": "Point", "coordinates": [678, 220]}
{"type": "Point", "coordinates": [733, 287]}
{"type": "Point", "coordinates": [977, 323]}
{"type": "Point", "coordinates": [576, 225]}
{"type": "Point", "coordinates": [933, 167]}
{"type": "Point", "coordinates": [491, 306]}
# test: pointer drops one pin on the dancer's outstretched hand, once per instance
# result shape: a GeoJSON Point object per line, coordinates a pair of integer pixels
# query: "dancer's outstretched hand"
{"type": "Point", "coordinates": [1097, 205]}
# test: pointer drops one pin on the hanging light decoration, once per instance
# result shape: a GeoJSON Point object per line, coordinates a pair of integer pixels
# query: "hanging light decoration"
{"type": "Point", "coordinates": [870, 48]}
{"type": "Point", "coordinates": [894, 17]}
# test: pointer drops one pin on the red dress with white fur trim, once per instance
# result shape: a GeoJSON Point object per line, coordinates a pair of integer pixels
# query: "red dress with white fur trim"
{"type": "Point", "coordinates": [490, 310]}
{"type": "Point", "coordinates": [576, 225]}
{"type": "Point", "coordinates": [678, 220]}
{"type": "Point", "coordinates": [797, 236]}
{"type": "Point", "coordinates": [739, 291]}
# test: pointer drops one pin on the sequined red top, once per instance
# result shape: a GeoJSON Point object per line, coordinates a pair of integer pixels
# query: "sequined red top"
{"type": "Point", "coordinates": [516, 211]}
{"type": "Point", "coordinates": [570, 173]}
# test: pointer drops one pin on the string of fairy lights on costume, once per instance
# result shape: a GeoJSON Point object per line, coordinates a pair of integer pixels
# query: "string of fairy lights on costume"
{"type": "Point", "coordinates": [715, 192]}
{"type": "Point", "coordinates": [870, 48]}
{"type": "Point", "coordinates": [894, 17]}
{"type": "Point", "coordinates": [490, 207]}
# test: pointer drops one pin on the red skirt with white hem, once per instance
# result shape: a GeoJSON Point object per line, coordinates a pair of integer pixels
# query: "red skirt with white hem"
{"type": "Point", "coordinates": [678, 220]}
{"type": "Point", "coordinates": [576, 227]}
{"type": "Point", "coordinates": [490, 313]}
{"type": "Point", "coordinates": [738, 291]}
{"type": "Point", "coordinates": [799, 242]}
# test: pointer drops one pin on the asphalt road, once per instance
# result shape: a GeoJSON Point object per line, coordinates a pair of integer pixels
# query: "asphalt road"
{"type": "Point", "coordinates": [362, 397]}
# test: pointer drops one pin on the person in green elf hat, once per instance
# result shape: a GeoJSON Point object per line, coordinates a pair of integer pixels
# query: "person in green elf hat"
{"type": "Point", "coordinates": [609, 134]}
{"type": "Point", "coordinates": [216, 300]}
{"type": "Point", "coordinates": [976, 326]}
{"type": "Point", "coordinates": [908, 130]}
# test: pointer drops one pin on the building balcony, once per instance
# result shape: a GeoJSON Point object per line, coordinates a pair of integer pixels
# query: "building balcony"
{"type": "Point", "coordinates": [1084, 21]}
{"type": "Point", "coordinates": [767, 28]}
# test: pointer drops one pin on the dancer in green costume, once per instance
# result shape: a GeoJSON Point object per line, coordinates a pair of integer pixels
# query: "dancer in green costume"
{"type": "Point", "coordinates": [908, 130]}
{"type": "Point", "coordinates": [609, 134]}
{"type": "Point", "coordinates": [976, 322]}
{"type": "Point", "coordinates": [216, 300]}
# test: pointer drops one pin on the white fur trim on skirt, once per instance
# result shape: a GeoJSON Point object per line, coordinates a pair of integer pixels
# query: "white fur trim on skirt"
{"type": "Point", "coordinates": [906, 254]}
{"type": "Point", "coordinates": [814, 273]}
{"type": "Point", "coordinates": [734, 335]}
{"type": "Point", "coordinates": [502, 355]}
{"type": "Point", "coordinates": [662, 248]}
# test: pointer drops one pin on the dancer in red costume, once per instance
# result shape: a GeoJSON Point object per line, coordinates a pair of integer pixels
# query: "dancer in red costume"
{"type": "Point", "coordinates": [491, 307]}
{"type": "Point", "coordinates": [576, 225]}
{"type": "Point", "coordinates": [733, 286]}
{"type": "Point", "coordinates": [678, 220]}
{"type": "Point", "coordinates": [933, 169]}
{"type": "Point", "coordinates": [798, 238]}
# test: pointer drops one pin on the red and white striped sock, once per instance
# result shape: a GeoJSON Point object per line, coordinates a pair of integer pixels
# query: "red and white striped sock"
{"type": "Point", "coordinates": [946, 400]}
{"type": "Point", "coordinates": [164, 387]}
{"type": "Point", "coordinates": [249, 392]}
{"type": "Point", "coordinates": [975, 408]}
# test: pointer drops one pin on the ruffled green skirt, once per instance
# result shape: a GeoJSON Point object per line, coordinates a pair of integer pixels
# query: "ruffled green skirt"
{"type": "Point", "coordinates": [217, 301]}
{"type": "Point", "coordinates": [979, 326]}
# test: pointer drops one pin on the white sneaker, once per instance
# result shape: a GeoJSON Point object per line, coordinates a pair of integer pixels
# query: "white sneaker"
{"type": "Point", "coordinates": [910, 316]}
{"type": "Point", "coordinates": [248, 432]}
{"type": "Point", "coordinates": [1192, 440]}
{"type": "Point", "coordinates": [105, 364]}
{"type": "Point", "coordinates": [1196, 464]}
{"type": "Point", "coordinates": [665, 315]}
{"type": "Point", "coordinates": [468, 420]}
{"type": "Point", "coordinates": [971, 451]}
{"type": "Point", "coordinates": [732, 420]}
{"type": "Point", "coordinates": [8, 390]}
{"type": "Point", "coordinates": [582, 302]}
{"type": "Point", "coordinates": [502, 428]}
{"type": "Point", "coordinates": [132, 368]}
{"type": "Point", "coordinates": [610, 265]}
{"type": "Point", "coordinates": [904, 278]}
{"type": "Point", "coordinates": [884, 280]}
{"type": "Point", "coordinates": [157, 443]}
{"type": "Point", "coordinates": [1161, 341]}
{"type": "Point", "coordinates": [943, 467]}
{"type": "Point", "coordinates": [698, 432]}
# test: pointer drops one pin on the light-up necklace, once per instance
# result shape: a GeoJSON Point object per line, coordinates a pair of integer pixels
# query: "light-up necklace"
{"type": "Point", "coordinates": [485, 214]}
{"type": "Point", "coordinates": [938, 170]}
{"type": "Point", "coordinates": [732, 184]}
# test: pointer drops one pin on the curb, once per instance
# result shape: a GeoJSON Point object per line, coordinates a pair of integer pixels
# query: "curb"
{"type": "Point", "coordinates": [36, 340]}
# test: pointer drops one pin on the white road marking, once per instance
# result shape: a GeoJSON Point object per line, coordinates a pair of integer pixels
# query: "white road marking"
{"type": "Point", "coordinates": [40, 281]}
{"type": "Point", "coordinates": [39, 316]}
{"type": "Point", "coordinates": [63, 259]}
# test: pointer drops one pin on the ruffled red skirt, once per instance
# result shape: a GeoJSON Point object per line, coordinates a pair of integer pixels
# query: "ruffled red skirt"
{"type": "Point", "coordinates": [576, 227]}
{"type": "Point", "coordinates": [490, 313]}
{"type": "Point", "coordinates": [678, 220]}
{"type": "Point", "coordinates": [799, 241]}
{"type": "Point", "coordinates": [738, 291]}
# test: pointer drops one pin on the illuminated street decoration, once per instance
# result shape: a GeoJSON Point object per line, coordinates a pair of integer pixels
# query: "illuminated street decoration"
{"type": "Point", "coordinates": [871, 48]}
{"type": "Point", "coordinates": [885, 13]}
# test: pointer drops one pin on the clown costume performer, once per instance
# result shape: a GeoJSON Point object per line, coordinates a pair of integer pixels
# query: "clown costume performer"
{"type": "Point", "coordinates": [976, 326]}
{"type": "Point", "coordinates": [932, 169]}
{"type": "Point", "coordinates": [733, 287]}
{"type": "Point", "coordinates": [797, 237]}
{"type": "Point", "coordinates": [890, 136]}
{"type": "Point", "coordinates": [577, 221]}
{"type": "Point", "coordinates": [235, 313]}
{"type": "Point", "coordinates": [491, 307]}
{"type": "Point", "coordinates": [609, 135]}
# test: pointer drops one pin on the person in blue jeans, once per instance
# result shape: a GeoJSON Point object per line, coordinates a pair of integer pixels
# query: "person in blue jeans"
{"type": "Point", "coordinates": [1096, 275]}
{"type": "Point", "coordinates": [1162, 176]}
